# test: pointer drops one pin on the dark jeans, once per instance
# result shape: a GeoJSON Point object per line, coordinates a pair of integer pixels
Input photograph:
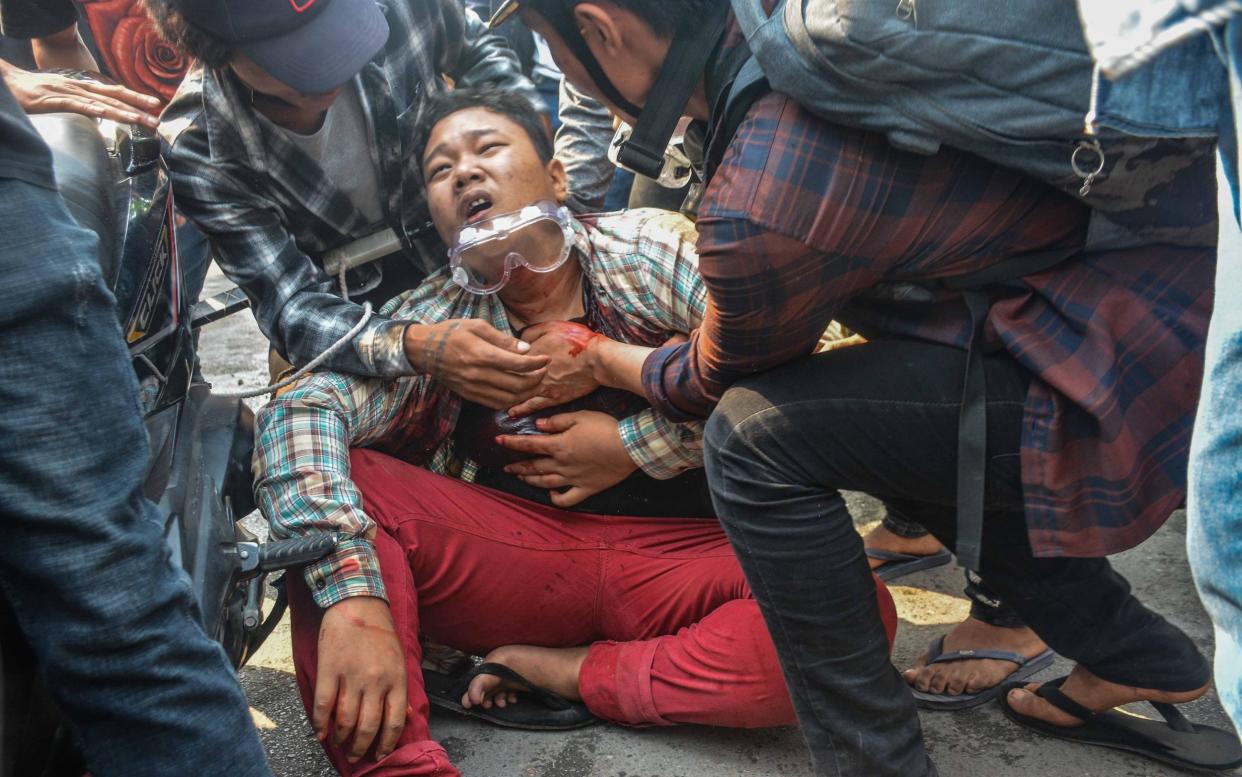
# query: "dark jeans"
{"type": "Point", "coordinates": [84, 564]}
{"type": "Point", "coordinates": [882, 418]}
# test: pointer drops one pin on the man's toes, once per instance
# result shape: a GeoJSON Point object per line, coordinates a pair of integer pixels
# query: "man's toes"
{"type": "Point", "coordinates": [979, 678]}
{"type": "Point", "coordinates": [478, 690]}
{"type": "Point", "coordinates": [1019, 700]}
{"type": "Point", "coordinates": [937, 680]}
{"type": "Point", "coordinates": [914, 673]}
{"type": "Point", "coordinates": [958, 683]}
{"type": "Point", "coordinates": [918, 679]}
{"type": "Point", "coordinates": [977, 682]}
{"type": "Point", "coordinates": [1024, 702]}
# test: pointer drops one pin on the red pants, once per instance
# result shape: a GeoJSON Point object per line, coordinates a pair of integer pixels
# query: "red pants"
{"type": "Point", "coordinates": [674, 634]}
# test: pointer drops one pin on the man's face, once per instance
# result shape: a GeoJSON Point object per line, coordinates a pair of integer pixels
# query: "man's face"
{"type": "Point", "coordinates": [276, 98]}
{"type": "Point", "coordinates": [628, 50]}
{"type": "Point", "coordinates": [480, 164]}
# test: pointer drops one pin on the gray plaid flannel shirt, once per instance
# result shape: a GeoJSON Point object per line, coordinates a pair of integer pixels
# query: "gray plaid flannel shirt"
{"type": "Point", "coordinates": [268, 208]}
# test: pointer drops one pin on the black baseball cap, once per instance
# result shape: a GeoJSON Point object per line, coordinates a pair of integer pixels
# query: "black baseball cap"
{"type": "Point", "coordinates": [313, 46]}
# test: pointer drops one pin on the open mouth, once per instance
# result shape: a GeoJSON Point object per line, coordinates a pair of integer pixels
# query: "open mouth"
{"type": "Point", "coordinates": [475, 207]}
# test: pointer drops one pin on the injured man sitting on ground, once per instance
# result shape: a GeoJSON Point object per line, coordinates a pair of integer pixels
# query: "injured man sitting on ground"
{"type": "Point", "coordinates": [630, 607]}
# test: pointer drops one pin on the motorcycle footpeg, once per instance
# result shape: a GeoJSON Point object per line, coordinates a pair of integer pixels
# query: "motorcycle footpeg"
{"type": "Point", "coordinates": [284, 554]}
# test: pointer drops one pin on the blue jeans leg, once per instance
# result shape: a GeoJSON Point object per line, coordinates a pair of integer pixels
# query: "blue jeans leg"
{"type": "Point", "coordinates": [83, 562]}
{"type": "Point", "coordinates": [1214, 498]}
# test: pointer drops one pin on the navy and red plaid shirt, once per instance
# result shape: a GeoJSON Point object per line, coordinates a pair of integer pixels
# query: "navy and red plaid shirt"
{"type": "Point", "coordinates": [803, 216]}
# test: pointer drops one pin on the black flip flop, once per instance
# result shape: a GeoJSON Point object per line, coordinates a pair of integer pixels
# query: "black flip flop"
{"type": "Point", "coordinates": [543, 710]}
{"type": "Point", "coordinates": [944, 701]}
{"type": "Point", "coordinates": [901, 564]}
{"type": "Point", "coordinates": [1174, 741]}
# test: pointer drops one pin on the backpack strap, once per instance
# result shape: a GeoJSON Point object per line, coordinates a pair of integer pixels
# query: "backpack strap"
{"type": "Point", "coordinates": [748, 85]}
{"type": "Point", "coordinates": [972, 437]}
{"type": "Point", "coordinates": [972, 419]}
{"type": "Point", "coordinates": [686, 59]}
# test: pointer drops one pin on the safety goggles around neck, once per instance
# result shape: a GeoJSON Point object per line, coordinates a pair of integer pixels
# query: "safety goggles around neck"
{"type": "Point", "coordinates": [538, 237]}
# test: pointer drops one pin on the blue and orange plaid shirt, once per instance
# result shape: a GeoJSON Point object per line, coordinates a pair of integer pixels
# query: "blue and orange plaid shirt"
{"type": "Point", "coordinates": [803, 217]}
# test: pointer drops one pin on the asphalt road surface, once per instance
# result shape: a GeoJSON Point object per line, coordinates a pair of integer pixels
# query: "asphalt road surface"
{"type": "Point", "coordinates": [975, 743]}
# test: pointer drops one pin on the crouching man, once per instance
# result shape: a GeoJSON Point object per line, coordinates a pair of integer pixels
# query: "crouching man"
{"type": "Point", "coordinates": [289, 139]}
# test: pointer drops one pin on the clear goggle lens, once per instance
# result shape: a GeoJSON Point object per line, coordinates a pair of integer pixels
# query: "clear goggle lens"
{"type": "Point", "coordinates": [484, 255]}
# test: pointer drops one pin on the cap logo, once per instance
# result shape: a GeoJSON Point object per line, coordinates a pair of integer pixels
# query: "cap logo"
{"type": "Point", "coordinates": [302, 6]}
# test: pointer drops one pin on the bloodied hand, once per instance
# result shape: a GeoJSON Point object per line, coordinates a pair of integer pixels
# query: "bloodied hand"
{"type": "Point", "coordinates": [570, 372]}
{"type": "Point", "coordinates": [476, 361]}
{"type": "Point", "coordinates": [360, 693]}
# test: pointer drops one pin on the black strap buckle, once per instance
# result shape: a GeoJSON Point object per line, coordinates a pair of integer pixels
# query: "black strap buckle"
{"type": "Point", "coordinates": [682, 70]}
{"type": "Point", "coordinates": [641, 159]}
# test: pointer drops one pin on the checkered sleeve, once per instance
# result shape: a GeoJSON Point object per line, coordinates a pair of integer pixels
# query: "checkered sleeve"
{"type": "Point", "coordinates": [675, 296]}
{"type": "Point", "coordinates": [301, 467]}
{"type": "Point", "coordinates": [293, 300]}
{"type": "Point", "coordinates": [661, 448]}
{"type": "Point", "coordinates": [658, 283]}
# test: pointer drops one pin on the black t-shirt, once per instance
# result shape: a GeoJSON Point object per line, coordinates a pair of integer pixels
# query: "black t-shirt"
{"type": "Point", "coordinates": [36, 18]}
{"type": "Point", "coordinates": [23, 154]}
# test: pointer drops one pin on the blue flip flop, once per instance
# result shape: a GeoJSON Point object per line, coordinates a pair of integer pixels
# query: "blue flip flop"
{"type": "Point", "coordinates": [943, 701]}
{"type": "Point", "coordinates": [901, 564]}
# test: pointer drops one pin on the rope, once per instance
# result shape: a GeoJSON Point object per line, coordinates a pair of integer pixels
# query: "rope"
{"type": "Point", "coordinates": [313, 363]}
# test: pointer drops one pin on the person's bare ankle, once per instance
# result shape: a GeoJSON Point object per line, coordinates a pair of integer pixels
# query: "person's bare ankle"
{"type": "Point", "coordinates": [881, 538]}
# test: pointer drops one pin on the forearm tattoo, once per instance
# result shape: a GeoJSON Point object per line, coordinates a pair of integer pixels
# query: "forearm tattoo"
{"type": "Point", "coordinates": [433, 351]}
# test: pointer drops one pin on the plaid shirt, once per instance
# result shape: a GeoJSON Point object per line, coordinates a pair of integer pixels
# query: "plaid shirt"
{"type": "Point", "coordinates": [641, 267]}
{"type": "Point", "coordinates": [265, 205]}
{"type": "Point", "coordinates": [804, 218]}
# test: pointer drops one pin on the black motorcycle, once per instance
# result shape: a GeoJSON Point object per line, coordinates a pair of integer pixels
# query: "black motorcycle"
{"type": "Point", "coordinates": [115, 183]}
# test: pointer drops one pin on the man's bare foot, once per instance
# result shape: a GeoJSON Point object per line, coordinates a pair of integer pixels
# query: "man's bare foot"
{"type": "Point", "coordinates": [973, 675]}
{"type": "Point", "coordinates": [555, 669]}
{"type": "Point", "coordinates": [882, 539]}
{"type": "Point", "coordinates": [1091, 692]}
